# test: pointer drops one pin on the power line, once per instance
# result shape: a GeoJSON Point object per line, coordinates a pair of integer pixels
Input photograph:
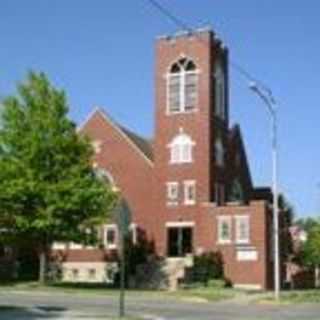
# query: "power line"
{"type": "Point", "coordinates": [183, 25]}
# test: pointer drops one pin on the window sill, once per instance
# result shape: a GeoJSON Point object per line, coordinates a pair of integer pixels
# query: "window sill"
{"type": "Point", "coordinates": [172, 204]}
{"type": "Point", "coordinates": [180, 162]}
{"type": "Point", "coordinates": [168, 113]}
{"type": "Point", "coordinates": [190, 204]}
{"type": "Point", "coordinates": [224, 242]}
{"type": "Point", "coordinates": [111, 247]}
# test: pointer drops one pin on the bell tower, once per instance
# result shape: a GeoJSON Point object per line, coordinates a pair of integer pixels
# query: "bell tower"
{"type": "Point", "coordinates": [191, 129]}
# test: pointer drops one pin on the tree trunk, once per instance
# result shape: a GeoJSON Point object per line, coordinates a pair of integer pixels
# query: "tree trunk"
{"type": "Point", "coordinates": [42, 266]}
{"type": "Point", "coordinates": [317, 276]}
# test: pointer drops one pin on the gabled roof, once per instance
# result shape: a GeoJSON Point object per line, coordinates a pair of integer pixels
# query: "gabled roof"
{"type": "Point", "coordinates": [141, 144]}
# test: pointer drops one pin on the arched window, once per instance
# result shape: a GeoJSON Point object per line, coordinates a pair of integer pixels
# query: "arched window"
{"type": "Point", "coordinates": [219, 150]}
{"type": "Point", "coordinates": [181, 149]}
{"type": "Point", "coordinates": [220, 86]}
{"type": "Point", "coordinates": [182, 86]}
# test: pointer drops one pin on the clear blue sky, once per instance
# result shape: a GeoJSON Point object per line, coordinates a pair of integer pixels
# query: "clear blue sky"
{"type": "Point", "coordinates": [102, 53]}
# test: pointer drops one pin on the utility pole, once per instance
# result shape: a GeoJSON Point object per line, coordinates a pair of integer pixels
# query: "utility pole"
{"type": "Point", "coordinates": [122, 277]}
{"type": "Point", "coordinates": [267, 98]}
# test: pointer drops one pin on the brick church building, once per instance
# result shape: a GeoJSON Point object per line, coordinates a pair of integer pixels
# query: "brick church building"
{"type": "Point", "coordinates": [189, 188]}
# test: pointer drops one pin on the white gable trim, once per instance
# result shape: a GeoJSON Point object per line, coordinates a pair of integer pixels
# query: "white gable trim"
{"type": "Point", "coordinates": [114, 125]}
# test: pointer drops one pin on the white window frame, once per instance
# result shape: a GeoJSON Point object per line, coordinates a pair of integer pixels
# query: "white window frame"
{"type": "Point", "coordinates": [172, 193]}
{"type": "Point", "coordinates": [221, 221]}
{"type": "Point", "coordinates": [186, 185]}
{"type": "Point", "coordinates": [108, 227]}
{"type": "Point", "coordinates": [178, 150]}
{"type": "Point", "coordinates": [182, 94]}
{"type": "Point", "coordinates": [238, 221]}
{"type": "Point", "coordinates": [134, 232]}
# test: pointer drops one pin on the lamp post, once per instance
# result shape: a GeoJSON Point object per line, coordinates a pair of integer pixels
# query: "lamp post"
{"type": "Point", "coordinates": [267, 98]}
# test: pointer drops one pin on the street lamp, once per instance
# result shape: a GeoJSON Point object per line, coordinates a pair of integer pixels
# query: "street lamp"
{"type": "Point", "coordinates": [267, 98]}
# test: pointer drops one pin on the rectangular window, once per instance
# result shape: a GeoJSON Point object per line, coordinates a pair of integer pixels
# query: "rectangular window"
{"type": "Point", "coordinates": [75, 274]}
{"type": "Point", "coordinates": [242, 229]}
{"type": "Point", "coordinates": [190, 91]}
{"type": "Point", "coordinates": [224, 229]}
{"type": "Point", "coordinates": [110, 236]}
{"type": "Point", "coordinates": [174, 93]}
{"type": "Point", "coordinates": [180, 241]}
{"type": "Point", "coordinates": [186, 153]}
{"type": "Point", "coordinates": [172, 193]}
{"type": "Point", "coordinates": [189, 192]}
{"type": "Point", "coordinates": [92, 274]}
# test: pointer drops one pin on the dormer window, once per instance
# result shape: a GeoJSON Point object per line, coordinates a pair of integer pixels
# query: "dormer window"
{"type": "Point", "coordinates": [182, 86]}
{"type": "Point", "coordinates": [181, 148]}
{"type": "Point", "coordinates": [220, 90]}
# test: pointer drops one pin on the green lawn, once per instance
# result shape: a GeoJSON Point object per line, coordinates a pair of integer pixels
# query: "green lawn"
{"type": "Point", "coordinates": [196, 294]}
{"type": "Point", "coordinates": [293, 297]}
{"type": "Point", "coordinates": [201, 294]}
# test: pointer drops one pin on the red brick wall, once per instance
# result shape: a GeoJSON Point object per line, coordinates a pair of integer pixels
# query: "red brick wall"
{"type": "Point", "coordinates": [143, 183]}
{"type": "Point", "coordinates": [131, 171]}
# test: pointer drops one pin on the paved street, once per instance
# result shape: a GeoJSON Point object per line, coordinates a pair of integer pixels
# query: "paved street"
{"type": "Point", "coordinates": [79, 306]}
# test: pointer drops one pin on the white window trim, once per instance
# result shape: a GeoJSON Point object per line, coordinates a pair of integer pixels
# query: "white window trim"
{"type": "Point", "coordinates": [182, 106]}
{"type": "Point", "coordinates": [221, 220]}
{"type": "Point", "coordinates": [171, 201]}
{"type": "Point", "coordinates": [134, 229]}
{"type": "Point", "coordinates": [238, 220]}
{"type": "Point", "coordinates": [105, 238]}
{"type": "Point", "coordinates": [75, 246]}
{"type": "Point", "coordinates": [186, 185]}
{"type": "Point", "coordinates": [173, 224]}
{"type": "Point", "coordinates": [174, 144]}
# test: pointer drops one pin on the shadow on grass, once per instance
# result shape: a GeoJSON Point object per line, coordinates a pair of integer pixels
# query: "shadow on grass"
{"type": "Point", "coordinates": [39, 312]}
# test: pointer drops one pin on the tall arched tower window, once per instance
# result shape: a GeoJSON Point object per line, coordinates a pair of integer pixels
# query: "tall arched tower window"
{"type": "Point", "coordinates": [182, 86]}
{"type": "Point", "coordinates": [220, 89]}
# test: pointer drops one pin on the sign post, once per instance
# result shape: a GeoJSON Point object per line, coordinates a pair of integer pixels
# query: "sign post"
{"type": "Point", "coordinates": [123, 218]}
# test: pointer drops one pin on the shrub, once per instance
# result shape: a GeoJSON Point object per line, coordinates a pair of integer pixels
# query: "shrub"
{"type": "Point", "coordinates": [206, 267]}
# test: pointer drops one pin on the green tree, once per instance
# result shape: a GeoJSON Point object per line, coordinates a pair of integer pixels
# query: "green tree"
{"type": "Point", "coordinates": [48, 189]}
{"type": "Point", "coordinates": [306, 223]}
{"type": "Point", "coordinates": [285, 222]}
{"type": "Point", "coordinates": [311, 251]}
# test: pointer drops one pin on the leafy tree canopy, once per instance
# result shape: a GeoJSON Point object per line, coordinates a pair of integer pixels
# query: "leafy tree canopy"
{"type": "Point", "coordinates": [311, 249]}
{"type": "Point", "coordinates": [48, 189]}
